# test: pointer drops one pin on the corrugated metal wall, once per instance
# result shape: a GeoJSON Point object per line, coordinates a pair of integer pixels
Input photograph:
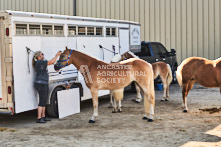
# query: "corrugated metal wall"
{"type": "Point", "coordinates": [64, 7]}
{"type": "Point", "coordinates": [192, 27]}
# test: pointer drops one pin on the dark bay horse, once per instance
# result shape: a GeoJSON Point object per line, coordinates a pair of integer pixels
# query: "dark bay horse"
{"type": "Point", "coordinates": [99, 75]}
{"type": "Point", "coordinates": [197, 69]}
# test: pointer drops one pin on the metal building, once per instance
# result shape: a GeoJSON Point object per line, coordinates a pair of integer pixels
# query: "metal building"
{"type": "Point", "coordinates": [192, 27]}
{"type": "Point", "coordinates": [64, 7]}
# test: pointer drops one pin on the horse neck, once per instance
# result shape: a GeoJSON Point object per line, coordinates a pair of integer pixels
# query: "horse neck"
{"type": "Point", "coordinates": [77, 59]}
{"type": "Point", "coordinates": [132, 55]}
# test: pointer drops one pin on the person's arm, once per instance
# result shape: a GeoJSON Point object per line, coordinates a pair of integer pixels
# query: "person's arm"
{"type": "Point", "coordinates": [52, 61]}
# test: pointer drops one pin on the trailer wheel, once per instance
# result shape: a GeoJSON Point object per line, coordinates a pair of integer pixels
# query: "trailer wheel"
{"type": "Point", "coordinates": [52, 108]}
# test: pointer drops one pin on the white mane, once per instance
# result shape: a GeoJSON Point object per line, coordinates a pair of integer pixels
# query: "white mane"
{"type": "Point", "coordinates": [218, 59]}
{"type": "Point", "coordinates": [116, 58]}
{"type": "Point", "coordinates": [135, 56]}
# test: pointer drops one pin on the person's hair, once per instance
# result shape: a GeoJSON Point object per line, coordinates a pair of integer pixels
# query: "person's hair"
{"type": "Point", "coordinates": [35, 58]}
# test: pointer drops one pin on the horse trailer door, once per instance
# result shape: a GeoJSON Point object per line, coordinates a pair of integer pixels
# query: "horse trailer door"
{"type": "Point", "coordinates": [124, 40]}
{"type": "Point", "coordinates": [25, 96]}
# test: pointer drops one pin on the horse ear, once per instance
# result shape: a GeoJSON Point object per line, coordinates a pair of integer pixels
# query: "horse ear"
{"type": "Point", "coordinates": [66, 48]}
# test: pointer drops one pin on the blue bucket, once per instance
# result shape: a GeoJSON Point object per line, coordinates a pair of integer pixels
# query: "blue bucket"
{"type": "Point", "coordinates": [160, 86]}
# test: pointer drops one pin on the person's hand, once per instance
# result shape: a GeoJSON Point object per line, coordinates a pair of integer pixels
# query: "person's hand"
{"type": "Point", "coordinates": [59, 53]}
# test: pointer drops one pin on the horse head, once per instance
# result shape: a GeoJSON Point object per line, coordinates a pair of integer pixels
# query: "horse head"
{"type": "Point", "coordinates": [128, 55]}
{"type": "Point", "coordinates": [63, 59]}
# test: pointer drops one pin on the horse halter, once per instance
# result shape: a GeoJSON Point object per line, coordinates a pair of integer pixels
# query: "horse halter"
{"type": "Point", "coordinates": [125, 56]}
{"type": "Point", "coordinates": [66, 60]}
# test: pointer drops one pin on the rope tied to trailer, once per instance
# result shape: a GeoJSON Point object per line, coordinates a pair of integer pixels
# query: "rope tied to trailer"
{"type": "Point", "coordinates": [103, 48]}
{"type": "Point", "coordinates": [29, 51]}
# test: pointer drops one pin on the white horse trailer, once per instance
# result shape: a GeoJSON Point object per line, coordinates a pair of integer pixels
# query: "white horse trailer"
{"type": "Point", "coordinates": [49, 33]}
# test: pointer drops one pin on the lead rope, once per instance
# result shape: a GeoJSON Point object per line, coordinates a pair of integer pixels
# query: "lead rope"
{"type": "Point", "coordinates": [28, 51]}
{"type": "Point", "coordinates": [102, 48]}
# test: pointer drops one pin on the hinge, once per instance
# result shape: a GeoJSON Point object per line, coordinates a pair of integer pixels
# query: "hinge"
{"type": "Point", "coordinates": [8, 60]}
{"type": "Point", "coordinates": [10, 105]}
{"type": "Point", "coordinates": [9, 78]}
{"type": "Point", "coordinates": [8, 40]}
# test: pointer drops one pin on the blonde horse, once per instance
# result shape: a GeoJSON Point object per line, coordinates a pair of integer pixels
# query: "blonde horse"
{"type": "Point", "coordinates": [197, 69]}
{"type": "Point", "coordinates": [159, 68]}
{"type": "Point", "coordinates": [99, 75]}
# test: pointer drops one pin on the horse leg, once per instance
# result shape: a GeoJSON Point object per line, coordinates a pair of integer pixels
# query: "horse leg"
{"type": "Point", "coordinates": [149, 101]}
{"type": "Point", "coordinates": [139, 97]}
{"type": "Point", "coordinates": [167, 92]}
{"type": "Point", "coordinates": [111, 99]}
{"type": "Point", "coordinates": [186, 88]}
{"type": "Point", "coordinates": [94, 93]}
{"type": "Point", "coordinates": [164, 90]}
{"type": "Point", "coordinates": [119, 106]}
{"type": "Point", "coordinates": [115, 105]}
{"type": "Point", "coordinates": [118, 96]}
{"type": "Point", "coordinates": [220, 89]}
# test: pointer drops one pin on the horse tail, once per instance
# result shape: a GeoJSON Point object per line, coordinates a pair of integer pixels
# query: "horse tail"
{"type": "Point", "coordinates": [179, 75]}
{"type": "Point", "coordinates": [118, 94]}
{"type": "Point", "coordinates": [152, 91]}
{"type": "Point", "coordinates": [169, 77]}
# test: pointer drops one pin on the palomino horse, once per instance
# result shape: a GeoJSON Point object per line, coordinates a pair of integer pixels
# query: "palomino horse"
{"type": "Point", "coordinates": [197, 69]}
{"type": "Point", "coordinates": [159, 68]}
{"type": "Point", "coordinates": [99, 75]}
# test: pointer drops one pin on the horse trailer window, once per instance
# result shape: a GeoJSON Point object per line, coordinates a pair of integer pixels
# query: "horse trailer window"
{"type": "Point", "coordinates": [72, 30]}
{"type": "Point", "coordinates": [46, 29]}
{"type": "Point", "coordinates": [81, 31]}
{"type": "Point", "coordinates": [99, 31]}
{"type": "Point", "coordinates": [113, 32]}
{"type": "Point", "coordinates": [108, 31]}
{"type": "Point", "coordinates": [58, 30]}
{"type": "Point", "coordinates": [21, 29]}
{"type": "Point", "coordinates": [90, 30]}
{"type": "Point", "coordinates": [34, 29]}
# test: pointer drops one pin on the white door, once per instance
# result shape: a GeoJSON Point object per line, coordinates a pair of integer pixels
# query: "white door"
{"type": "Point", "coordinates": [124, 40]}
{"type": "Point", "coordinates": [24, 92]}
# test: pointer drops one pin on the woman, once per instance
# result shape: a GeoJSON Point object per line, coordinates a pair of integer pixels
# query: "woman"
{"type": "Point", "coordinates": [41, 82]}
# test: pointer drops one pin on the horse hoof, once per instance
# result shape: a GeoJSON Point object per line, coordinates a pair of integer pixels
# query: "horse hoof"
{"type": "Point", "coordinates": [135, 101]}
{"type": "Point", "coordinates": [114, 112]}
{"type": "Point", "coordinates": [162, 100]}
{"type": "Point", "coordinates": [144, 118]}
{"type": "Point", "coordinates": [119, 111]}
{"type": "Point", "coordinates": [110, 106]}
{"type": "Point", "coordinates": [185, 111]}
{"type": "Point", "coordinates": [91, 121]}
{"type": "Point", "coordinates": [150, 120]}
{"type": "Point", "coordinates": [166, 100]}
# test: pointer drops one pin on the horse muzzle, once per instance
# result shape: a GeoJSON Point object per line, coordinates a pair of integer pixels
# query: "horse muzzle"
{"type": "Point", "coordinates": [57, 67]}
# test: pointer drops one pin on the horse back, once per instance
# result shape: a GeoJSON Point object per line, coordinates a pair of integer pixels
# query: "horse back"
{"type": "Point", "coordinates": [138, 64]}
{"type": "Point", "coordinates": [201, 70]}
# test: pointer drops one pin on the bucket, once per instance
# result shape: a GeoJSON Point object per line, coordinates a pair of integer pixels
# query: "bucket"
{"type": "Point", "coordinates": [160, 86]}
